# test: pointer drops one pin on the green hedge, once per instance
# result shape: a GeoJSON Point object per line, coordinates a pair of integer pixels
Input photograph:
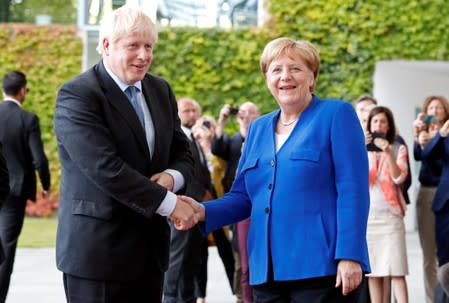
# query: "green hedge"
{"type": "Point", "coordinates": [352, 35]}
{"type": "Point", "coordinates": [217, 66]}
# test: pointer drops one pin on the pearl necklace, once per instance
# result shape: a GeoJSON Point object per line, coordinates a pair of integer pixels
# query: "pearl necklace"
{"type": "Point", "coordinates": [288, 123]}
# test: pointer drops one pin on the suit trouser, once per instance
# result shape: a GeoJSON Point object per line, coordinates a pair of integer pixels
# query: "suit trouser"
{"type": "Point", "coordinates": [184, 262]}
{"type": "Point", "coordinates": [11, 221]}
{"type": "Point", "coordinates": [147, 289]}
{"type": "Point", "coordinates": [224, 251]}
{"type": "Point", "coordinates": [426, 231]}
{"type": "Point", "coordinates": [442, 234]}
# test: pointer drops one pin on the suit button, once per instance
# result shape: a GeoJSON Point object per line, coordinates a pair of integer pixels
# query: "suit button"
{"type": "Point", "coordinates": [272, 162]}
{"type": "Point", "coordinates": [267, 210]}
{"type": "Point", "coordinates": [270, 186]}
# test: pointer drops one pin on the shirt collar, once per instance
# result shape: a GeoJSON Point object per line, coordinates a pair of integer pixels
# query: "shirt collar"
{"type": "Point", "coordinates": [187, 131]}
{"type": "Point", "coordinates": [13, 100]}
{"type": "Point", "coordinates": [120, 83]}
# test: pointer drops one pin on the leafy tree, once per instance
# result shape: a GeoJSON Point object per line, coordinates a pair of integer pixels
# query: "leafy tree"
{"type": "Point", "coordinates": [25, 11]}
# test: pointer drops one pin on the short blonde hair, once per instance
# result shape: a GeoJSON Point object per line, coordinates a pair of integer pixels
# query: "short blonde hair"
{"type": "Point", "coordinates": [122, 22]}
{"type": "Point", "coordinates": [290, 47]}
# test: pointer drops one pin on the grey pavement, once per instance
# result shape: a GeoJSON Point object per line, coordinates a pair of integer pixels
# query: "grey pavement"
{"type": "Point", "coordinates": [36, 279]}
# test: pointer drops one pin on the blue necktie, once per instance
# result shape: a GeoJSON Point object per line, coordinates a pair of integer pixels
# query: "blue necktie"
{"type": "Point", "coordinates": [131, 93]}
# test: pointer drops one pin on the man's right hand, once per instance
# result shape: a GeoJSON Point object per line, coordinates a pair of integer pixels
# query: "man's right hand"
{"type": "Point", "coordinates": [199, 213]}
{"type": "Point", "coordinates": [225, 113]}
{"type": "Point", "coordinates": [184, 215]}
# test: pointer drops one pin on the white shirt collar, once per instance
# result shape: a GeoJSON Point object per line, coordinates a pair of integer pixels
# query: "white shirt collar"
{"type": "Point", "coordinates": [187, 131]}
{"type": "Point", "coordinates": [120, 83]}
{"type": "Point", "coordinates": [13, 100]}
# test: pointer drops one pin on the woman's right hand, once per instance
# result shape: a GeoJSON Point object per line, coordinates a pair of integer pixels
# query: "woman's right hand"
{"type": "Point", "coordinates": [368, 137]}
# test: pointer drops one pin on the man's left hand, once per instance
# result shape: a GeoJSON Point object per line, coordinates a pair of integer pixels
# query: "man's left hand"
{"type": "Point", "coordinates": [164, 179]}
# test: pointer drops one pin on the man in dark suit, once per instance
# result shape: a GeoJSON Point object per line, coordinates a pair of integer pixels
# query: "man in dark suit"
{"type": "Point", "coordinates": [229, 148]}
{"type": "Point", "coordinates": [123, 155]}
{"type": "Point", "coordinates": [185, 246]}
{"type": "Point", "coordinates": [4, 178]}
{"type": "Point", "coordinates": [24, 153]}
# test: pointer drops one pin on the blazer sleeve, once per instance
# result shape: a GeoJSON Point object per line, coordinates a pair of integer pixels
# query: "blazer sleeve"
{"type": "Point", "coordinates": [40, 160]}
{"type": "Point", "coordinates": [4, 178]}
{"type": "Point", "coordinates": [350, 163]}
{"type": "Point", "coordinates": [434, 149]}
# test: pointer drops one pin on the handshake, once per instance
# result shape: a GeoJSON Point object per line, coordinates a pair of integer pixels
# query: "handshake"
{"type": "Point", "coordinates": [187, 213]}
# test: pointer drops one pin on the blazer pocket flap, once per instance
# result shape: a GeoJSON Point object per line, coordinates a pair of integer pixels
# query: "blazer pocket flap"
{"type": "Point", "coordinates": [91, 209]}
{"type": "Point", "coordinates": [305, 154]}
{"type": "Point", "coordinates": [250, 163]}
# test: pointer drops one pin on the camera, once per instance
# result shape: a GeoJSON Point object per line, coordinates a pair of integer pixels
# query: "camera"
{"type": "Point", "coordinates": [427, 119]}
{"type": "Point", "coordinates": [233, 111]}
{"type": "Point", "coordinates": [371, 146]}
{"type": "Point", "coordinates": [206, 124]}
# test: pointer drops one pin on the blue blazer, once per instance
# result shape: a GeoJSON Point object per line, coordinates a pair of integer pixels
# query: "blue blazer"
{"type": "Point", "coordinates": [438, 149]}
{"type": "Point", "coordinates": [308, 202]}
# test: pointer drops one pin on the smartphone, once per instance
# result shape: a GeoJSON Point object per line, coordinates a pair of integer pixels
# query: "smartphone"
{"type": "Point", "coordinates": [206, 124]}
{"type": "Point", "coordinates": [371, 146]}
{"type": "Point", "coordinates": [233, 111]}
{"type": "Point", "coordinates": [427, 119]}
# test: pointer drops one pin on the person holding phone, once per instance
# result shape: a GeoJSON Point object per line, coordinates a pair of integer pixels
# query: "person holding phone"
{"type": "Point", "coordinates": [386, 230]}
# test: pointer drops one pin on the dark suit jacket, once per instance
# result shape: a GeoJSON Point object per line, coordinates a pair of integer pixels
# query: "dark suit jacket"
{"type": "Point", "coordinates": [438, 148]}
{"type": "Point", "coordinates": [4, 177]}
{"type": "Point", "coordinates": [108, 227]}
{"type": "Point", "coordinates": [201, 181]}
{"type": "Point", "coordinates": [23, 150]}
{"type": "Point", "coordinates": [229, 149]}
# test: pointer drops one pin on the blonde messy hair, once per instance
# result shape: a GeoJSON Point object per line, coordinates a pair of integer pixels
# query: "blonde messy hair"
{"type": "Point", "coordinates": [122, 22]}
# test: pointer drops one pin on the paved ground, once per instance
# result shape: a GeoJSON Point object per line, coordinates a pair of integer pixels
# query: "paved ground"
{"type": "Point", "coordinates": [36, 279]}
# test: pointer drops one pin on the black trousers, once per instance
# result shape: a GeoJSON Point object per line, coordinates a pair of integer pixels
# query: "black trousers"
{"type": "Point", "coordinates": [442, 234]}
{"type": "Point", "coordinates": [145, 290]}
{"type": "Point", "coordinates": [224, 251]}
{"type": "Point", "coordinates": [317, 290]}
{"type": "Point", "coordinates": [183, 265]}
{"type": "Point", "coordinates": [12, 214]}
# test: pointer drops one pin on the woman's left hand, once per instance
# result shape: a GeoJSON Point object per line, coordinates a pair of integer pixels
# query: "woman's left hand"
{"type": "Point", "coordinates": [382, 144]}
{"type": "Point", "coordinates": [349, 276]}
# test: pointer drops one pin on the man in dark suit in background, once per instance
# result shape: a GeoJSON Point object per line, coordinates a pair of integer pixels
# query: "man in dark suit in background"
{"type": "Point", "coordinates": [229, 149]}
{"type": "Point", "coordinates": [4, 178]}
{"type": "Point", "coordinates": [24, 153]}
{"type": "Point", "coordinates": [123, 155]}
{"type": "Point", "coordinates": [4, 190]}
{"type": "Point", "coordinates": [185, 246]}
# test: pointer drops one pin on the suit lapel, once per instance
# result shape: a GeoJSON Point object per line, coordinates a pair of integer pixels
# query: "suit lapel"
{"type": "Point", "coordinates": [119, 100]}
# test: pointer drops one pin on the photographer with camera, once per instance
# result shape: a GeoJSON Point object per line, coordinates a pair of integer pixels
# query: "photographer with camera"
{"type": "Point", "coordinates": [435, 111]}
{"type": "Point", "coordinates": [388, 170]}
{"type": "Point", "coordinates": [229, 149]}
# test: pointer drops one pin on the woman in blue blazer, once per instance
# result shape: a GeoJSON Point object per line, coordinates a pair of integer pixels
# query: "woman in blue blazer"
{"type": "Point", "coordinates": [303, 180]}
